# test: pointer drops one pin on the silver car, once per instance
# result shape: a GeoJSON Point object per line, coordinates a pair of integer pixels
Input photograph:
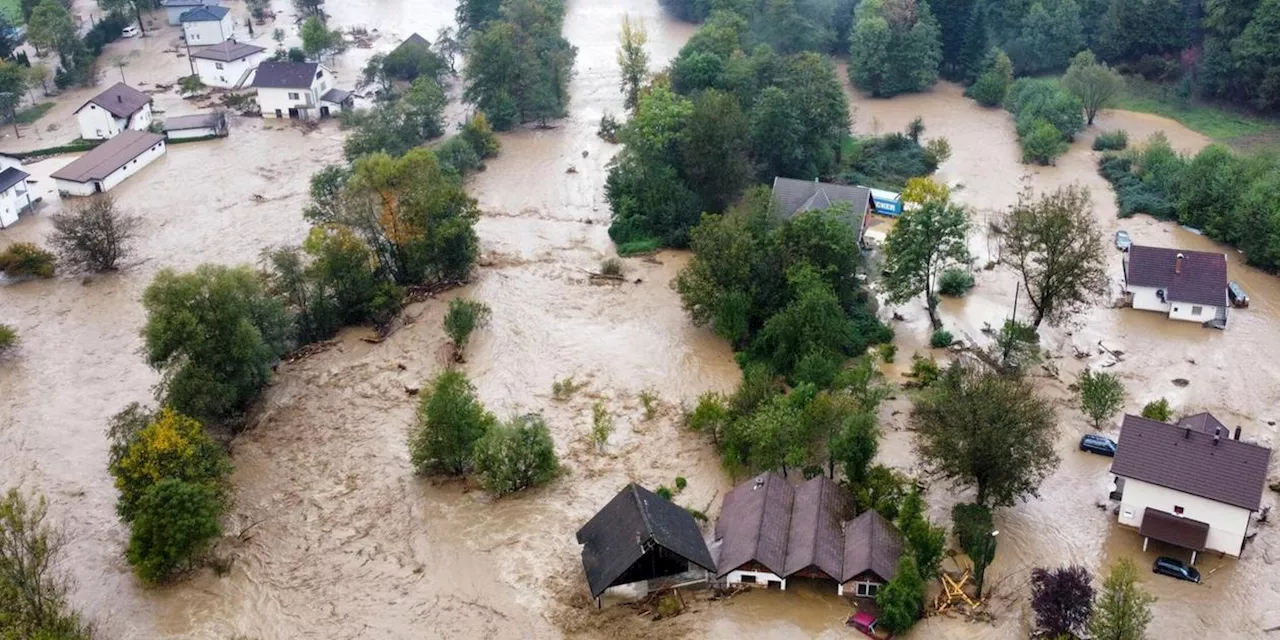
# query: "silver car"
{"type": "Point", "coordinates": [1123, 242]}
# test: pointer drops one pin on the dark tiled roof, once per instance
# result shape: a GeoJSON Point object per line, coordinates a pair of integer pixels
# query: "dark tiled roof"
{"type": "Point", "coordinates": [12, 176]}
{"type": "Point", "coordinates": [414, 41]}
{"type": "Point", "coordinates": [204, 14]}
{"type": "Point", "coordinates": [120, 100]}
{"type": "Point", "coordinates": [791, 196]}
{"type": "Point", "coordinates": [1187, 460]}
{"type": "Point", "coordinates": [1166, 527]}
{"type": "Point", "coordinates": [186, 3]}
{"type": "Point", "coordinates": [336, 96]}
{"type": "Point", "coordinates": [815, 538]}
{"type": "Point", "coordinates": [198, 121]}
{"type": "Point", "coordinates": [285, 75]}
{"type": "Point", "coordinates": [754, 524]}
{"type": "Point", "coordinates": [1202, 278]}
{"type": "Point", "coordinates": [626, 528]}
{"type": "Point", "coordinates": [227, 51]}
{"type": "Point", "coordinates": [871, 543]}
{"type": "Point", "coordinates": [1204, 422]}
{"type": "Point", "coordinates": [105, 158]}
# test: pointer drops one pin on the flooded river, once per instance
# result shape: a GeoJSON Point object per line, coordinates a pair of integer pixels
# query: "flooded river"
{"type": "Point", "coordinates": [332, 537]}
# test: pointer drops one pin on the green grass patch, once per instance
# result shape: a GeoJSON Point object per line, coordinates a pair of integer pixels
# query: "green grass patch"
{"type": "Point", "coordinates": [1218, 122]}
{"type": "Point", "coordinates": [636, 247]}
{"type": "Point", "coordinates": [33, 113]}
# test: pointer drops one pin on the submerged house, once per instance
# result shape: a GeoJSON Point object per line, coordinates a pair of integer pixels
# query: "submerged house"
{"type": "Point", "coordinates": [770, 531]}
{"type": "Point", "coordinates": [640, 536]}
{"type": "Point", "coordinates": [119, 108]}
{"type": "Point", "coordinates": [15, 194]}
{"type": "Point", "coordinates": [791, 197]}
{"type": "Point", "coordinates": [1191, 485]}
{"type": "Point", "coordinates": [299, 90]}
{"type": "Point", "coordinates": [1185, 285]}
{"type": "Point", "coordinates": [108, 164]}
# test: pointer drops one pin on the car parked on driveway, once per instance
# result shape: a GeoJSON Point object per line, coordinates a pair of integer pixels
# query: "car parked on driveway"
{"type": "Point", "coordinates": [1176, 569]}
{"type": "Point", "coordinates": [1100, 445]}
{"type": "Point", "coordinates": [1123, 241]}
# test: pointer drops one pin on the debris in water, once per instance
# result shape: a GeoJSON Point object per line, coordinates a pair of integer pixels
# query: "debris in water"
{"type": "Point", "coordinates": [571, 169]}
{"type": "Point", "coordinates": [1181, 382]}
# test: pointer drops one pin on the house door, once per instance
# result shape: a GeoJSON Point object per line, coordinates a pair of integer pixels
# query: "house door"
{"type": "Point", "coordinates": [324, 112]}
{"type": "Point", "coordinates": [293, 113]}
{"type": "Point", "coordinates": [97, 187]}
{"type": "Point", "coordinates": [279, 114]}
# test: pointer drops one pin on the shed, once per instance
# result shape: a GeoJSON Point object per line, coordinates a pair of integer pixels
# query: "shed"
{"type": "Point", "coordinates": [108, 164]}
{"type": "Point", "coordinates": [639, 536]}
{"type": "Point", "coordinates": [201, 125]}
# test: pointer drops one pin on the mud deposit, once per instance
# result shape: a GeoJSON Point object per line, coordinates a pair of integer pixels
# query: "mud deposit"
{"type": "Point", "coordinates": [331, 536]}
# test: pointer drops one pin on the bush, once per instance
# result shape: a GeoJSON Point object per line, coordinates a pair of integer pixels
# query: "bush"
{"type": "Point", "coordinates": [174, 524]}
{"type": "Point", "coordinates": [681, 483]}
{"type": "Point", "coordinates": [1111, 140]}
{"type": "Point", "coordinates": [26, 259]}
{"type": "Point", "coordinates": [611, 267]}
{"type": "Point", "coordinates": [1047, 115]}
{"type": "Point", "coordinates": [8, 337]}
{"type": "Point", "coordinates": [450, 422]}
{"type": "Point", "coordinates": [516, 455]}
{"type": "Point", "coordinates": [888, 351]}
{"type": "Point", "coordinates": [463, 317]}
{"type": "Point", "coordinates": [709, 416]}
{"type": "Point", "coordinates": [601, 424]}
{"type": "Point", "coordinates": [664, 492]}
{"type": "Point", "coordinates": [651, 402]}
{"type": "Point", "coordinates": [608, 130]}
{"type": "Point", "coordinates": [639, 247]}
{"type": "Point", "coordinates": [902, 599]}
{"type": "Point", "coordinates": [924, 370]}
{"type": "Point", "coordinates": [148, 449]}
{"type": "Point", "coordinates": [1158, 410]}
{"type": "Point", "coordinates": [955, 282]}
{"type": "Point", "coordinates": [33, 591]}
{"type": "Point", "coordinates": [565, 388]}
{"type": "Point", "coordinates": [973, 527]}
{"type": "Point", "coordinates": [941, 338]}
{"type": "Point", "coordinates": [94, 235]}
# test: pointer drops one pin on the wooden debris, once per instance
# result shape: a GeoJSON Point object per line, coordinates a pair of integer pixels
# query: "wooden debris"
{"type": "Point", "coordinates": [309, 350]}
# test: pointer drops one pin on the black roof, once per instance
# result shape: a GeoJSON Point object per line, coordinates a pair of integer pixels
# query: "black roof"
{"type": "Point", "coordinates": [623, 531]}
{"type": "Point", "coordinates": [12, 176]}
{"type": "Point", "coordinates": [285, 75]}
{"type": "Point", "coordinates": [414, 41]}
{"type": "Point", "coordinates": [1195, 277]}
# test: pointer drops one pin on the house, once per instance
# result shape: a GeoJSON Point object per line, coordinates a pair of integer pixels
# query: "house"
{"type": "Point", "coordinates": [792, 196]}
{"type": "Point", "coordinates": [206, 25]}
{"type": "Point", "coordinates": [15, 194]}
{"type": "Point", "coordinates": [640, 536]}
{"type": "Point", "coordinates": [1186, 285]}
{"type": "Point", "coordinates": [1190, 485]}
{"type": "Point", "coordinates": [296, 90]}
{"type": "Point", "coordinates": [175, 8]}
{"type": "Point", "coordinates": [228, 63]}
{"type": "Point", "coordinates": [108, 164]}
{"type": "Point", "coordinates": [203, 125]}
{"type": "Point", "coordinates": [770, 531]}
{"type": "Point", "coordinates": [117, 109]}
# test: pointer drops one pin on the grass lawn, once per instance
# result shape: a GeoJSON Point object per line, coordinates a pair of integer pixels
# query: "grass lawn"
{"type": "Point", "coordinates": [31, 114]}
{"type": "Point", "coordinates": [1219, 123]}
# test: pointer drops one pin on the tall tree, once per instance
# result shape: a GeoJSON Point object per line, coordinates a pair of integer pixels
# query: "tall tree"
{"type": "Point", "coordinates": [894, 47]}
{"type": "Point", "coordinates": [451, 420]}
{"type": "Point", "coordinates": [713, 149]}
{"type": "Point", "coordinates": [1062, 599]}
{"type": "Point", "coordinates": [1050, 36]}
{"type": "Point", "coordinates": [924, 242]}
{"type": "Point", "coordinates": [994, 81]}
{"type": "Point", "coordinates": [633, 60]}
{"type": "Point", "coordinates": [988, 430]}
{"type": "Point", "coordinates": [1055, 247]}
{"type": "Point", "coordinates": [902, 599]}
{"type": "Point", "coordinates": [1123, 609]}
{"type": "Point", "coordinates": [1093, 82]}
{"type": "Point", "coordinates": [51, 27]}
{"type": "Point", "coordinates": [474, 15]}
{"type": "Point", "coordinates": [1101, 396]}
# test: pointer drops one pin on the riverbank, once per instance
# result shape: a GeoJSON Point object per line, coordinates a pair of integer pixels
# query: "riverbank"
{"type": "Point", "coordinates": [1223, 123]}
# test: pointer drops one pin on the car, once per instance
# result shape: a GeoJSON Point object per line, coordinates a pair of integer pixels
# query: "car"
{"type": "Point", "coordinates": [866, 624]}
{"type": "Point", "coordinates": [1238, 297]}
{"type": "Point", "coordinates": [1100, 445]}
{"type": "Point", "coordinates": [1176, 569]}
{"type": "Point", "coordinates": [1123, 241]}
{"type": "Point", "coordinates": [130, 31]}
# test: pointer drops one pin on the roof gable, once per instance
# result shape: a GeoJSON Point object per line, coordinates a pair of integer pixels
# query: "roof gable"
{"type": "Point", "coordinates": [791, 196]}
{"type": "Point", "coordinates": [285, 75]}
{"type": "Point", "coordinates": [12, 176]}
{"type": "Point", "coordinates": [755, 523]}
{"type": "Point", "coordinates": [1186, 459]}
{"type": "Point", "coordinates": [871, 543]}
{"type": "Point", "coordinates": [1201, 278]}
{"type": "Point", "coordinates": [414, 41]}
{"type": "Point", "coordinates": [815, 538]}
{"type": "Point", "coordinates": [120, 100]}
{"type": "Point", "coordinates": [204, 14]}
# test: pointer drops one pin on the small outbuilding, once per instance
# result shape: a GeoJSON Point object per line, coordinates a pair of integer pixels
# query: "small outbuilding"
{"type": "Point", "coordinates": [174, 9]}
{"type": "Point", "coordinates": [227, 64]}
{"type": "Point", "coordinates": [108, 164]}
{"type": "Point", "coordinates": [640, 536]}
{"type": "Point", "coordinates": [207, 25]}
{"type": "Point", "coordinates": [119, 108]}
{"type": "Point", "coordinates": [792, 197]}
{"type": "Point", "coordinates": [201, 125]}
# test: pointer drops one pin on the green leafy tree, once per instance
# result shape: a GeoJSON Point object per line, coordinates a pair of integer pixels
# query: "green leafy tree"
{"type": "Point", "coordinates": [149, 449]}
{"type": "Point", "coordinates": [464, 317]}
{"type": "Point", "coordinates": [709, 416]}
{"type": "Point", "coordinates": [771, 437]}
{"type": "Point", "coordinates": [1122, 610]}
{"type": "Point", "coordinates": [901, 600]}
{"type": "Point", "coordinates": [1042, 142]}
{"type": "Point", "coordinates": [450, 422]}
{"type": "Point", "coordinates": [996, 78]}
{"type": "Point", "coordinates": [894, 47]}
{"type": "Point", "coordinates": [50, 27]}
{"type": "Point", "coordinates": [128, 6]}
{"type": "Point", "coordinates": [423, 107]}
{"type": "Point", "coordinates": [191, 84]}
{"type": "Point", "coordinates": [213, 335]}
{"type": "Point", "coordinates": [1134, 28]}
{"type": "Point", "coordinates": [26, 259]}
{"type": "Point", "coordinates": [855, 445]}
{"type": "Point", "coordinates": [519, 67]}
{"type": "Point", "coordinates": [813, 322]}
{"type": "Point", "coordinates": [1093, 82]}
{"type": "Point", "coordinates": [516, 455]}
{"type": "Point", "coordinates": [174, 524]}
{"type": "Point", "coordinates": [1158, 409]}
{"type": "Point", "coordinates": [1101, 396]}
{"type": "Point", "coordinates": [1051, 33]}
{"type": "Point", "coordinates": [33, 593]}
{"type": "Point", "coordinates": [8, 338]}
{"type": "Point", "coordinates": [93, 235]}
{"type": "Point", "coordinates": [925, 540]}
{"type": "Point", "coordinates": [633, 60]}
{"type": "Point", "coordinates": [883, 489]}
{"type": "Point", "coordinates": [713, 148]}
{"type": "Point", "coordinates": [968, 414]}
{"type": "Point", "coordinates": [975, 531]}
{"type": "Point", "coordinates": [473, 15]}
{"type": "Point", "coordinates": [922, 245]}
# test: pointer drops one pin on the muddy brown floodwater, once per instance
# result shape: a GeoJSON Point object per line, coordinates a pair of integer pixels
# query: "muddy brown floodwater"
{"type": "Point", "coordinates": [332, 537]}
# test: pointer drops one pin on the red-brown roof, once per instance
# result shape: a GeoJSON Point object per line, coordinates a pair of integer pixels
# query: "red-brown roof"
{"type": "Point", "coordinates": [1202, 278]}
{"type": "Point", "coordinates": [871, 543]}
{"type": "Point", "coordinates": [120, 100]}
{"type": "Point", "coordinates": [754, 524]}
{"type": "Point", "coordinates": [1176, 530]}
{"type": "Point", "coordinates": [104, 159]}
{"type": "Point", "coordinates": [1204, 422]}
{"type": "Point", "coordinates": [1191, 461]}
{"type": "Point", "coordinates": [816, 539]}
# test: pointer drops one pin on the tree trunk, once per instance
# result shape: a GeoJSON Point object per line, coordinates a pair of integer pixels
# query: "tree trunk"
{"type": "Point", "coordinates": [1039, 318]}
{"type": "Point", "coordinates": [137, 11]}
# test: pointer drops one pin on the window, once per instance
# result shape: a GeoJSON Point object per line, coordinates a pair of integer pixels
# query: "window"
{"type": "Point", "coordinates": [749, 579]}
{"type": "Point", "coordinates": [217, 65]}
{"type": "Point", "coordinates": [293, 95]}
{"type": "Point", "coordinates": [1177, 511]}
{"type": "Point", "coordinates": [866, 589]}
{"type": "Point", "coordinates": [1196, 310]}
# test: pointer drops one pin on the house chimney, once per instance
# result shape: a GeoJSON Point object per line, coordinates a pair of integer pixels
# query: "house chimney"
{"type": "Point", "coordinates": [1186, 433]}
{"type": "Point", "coordinates": [119, 98]}
{"type": "Point", "coordinates": [1217, 435]}
{"type": "Point", "coordinates": [1237, 433]}
{"type": "Point", "coordinates": [1177, 264]}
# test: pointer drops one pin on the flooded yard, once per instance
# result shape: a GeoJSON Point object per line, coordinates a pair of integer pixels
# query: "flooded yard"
{"type": "Point", "coordinates": [331, 536]}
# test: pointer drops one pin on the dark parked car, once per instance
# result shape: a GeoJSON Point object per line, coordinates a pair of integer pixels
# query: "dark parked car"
{"type": "Point", "coordinates": [1238, 297]}
{"type": "Point", "coordinates": [1123, 242]}
{"type": "Point", "coordinates": [1176, 569]}
{"type": "Point", "coordinates": [1100, 445]}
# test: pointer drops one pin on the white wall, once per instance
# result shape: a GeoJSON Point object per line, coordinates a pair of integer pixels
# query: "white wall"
{"type": "Point", "coordinates": [141, 120]}
{"type": "Point", "coordinates": [116, 177]}
{"type": "Point", "coordinates": [763, 578]}
{"type": "Point", "coordinates": [230, 73]}
{"type": "Point", "coordinates": [68, 187]}
{"type": "Point", "coordinates": [1185, 311]}
{"type": "Point", "coordinates": [1227, 523]}
{"type": "Point", "coordinates": [272, 99]}
{"type": "Point", "coordinates": [12, 200]}
{"type": "Point", "coordinates": [207, 32]}
{"type": "Point", "coordinates": [1145, 298]}
{"type": "Point", "coordinates": [183, 134]}
{"type": "Point", "coordinates": [97, 123]}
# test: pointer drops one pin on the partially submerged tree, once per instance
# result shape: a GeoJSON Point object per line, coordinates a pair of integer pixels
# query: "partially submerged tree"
{"type": "Point", "coordinates": [1055, 247]}
{"type": "Point", "coordinates": [33, 593]}
{"type": "Point", "coordinates": [94, 235]}
{"type": "Point", "coordinates": [925, 539]}
{"type": "Point", "coordinates": [25, 259]}
{"type": "Point", "coordinates": [633, 60]}
{"type": "Point", "coordinates": [1093, 82]}
{"type": "Point", "coordinates": [976, 534]}
{"type": "Point", "coordinates": [1158, 409]}
{"type": "Point", "coordinates": [1062, 599]}
{"type": "Point", "coordinates": [1122, 610]}
{"type": "Point", "coordinates": [318, 40]}
{"type": "Point", "coordinates": [450, 422]}
{"type": "Point", "coordinates": [995, 80]}
{"type": "Point", "coordinates": [922, 245]}
{"type": "Point", "coordinates": [463, 317]}
{"type": "Point", "coordinates": [8, 338]}
{"type": "Point", "coordinates": [516, 455]}
{"type": "Point", "coordinates": [1101, 396]}
{"type": "Point", "coordinates": [901, 600]}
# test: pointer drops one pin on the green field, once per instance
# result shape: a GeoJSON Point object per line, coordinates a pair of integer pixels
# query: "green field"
{"type": "Point", "coordinates": [31, 114]}
{"type": "Point", "coordinates": [1220, 123]}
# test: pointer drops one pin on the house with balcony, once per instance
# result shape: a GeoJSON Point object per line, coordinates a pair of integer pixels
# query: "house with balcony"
{"type": "Point", "coordinates": [298, 90]}
{"type": "Point", "coordinates": [1191, 484]}
{"type": "Point", "coordinates": [1185, 285]}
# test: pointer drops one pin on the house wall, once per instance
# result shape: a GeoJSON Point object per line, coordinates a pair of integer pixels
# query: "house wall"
{"type": "Point", "coordinates": [1145, 298]}
{"type": "Point", "coordinates": [306, 101]}
{"type": "Point", "coordinates": [116, 177]}
{"type": "Point", "coordinates": [230, 73]}
{"type": "Point", "coordinates": [1185, 311]}
{"type": "Point", "coordinates": [67, 187]}
{"type": "Point", "coordinates": [97, 123]}
{"type": "Point", "coordinates": [141, 121]}
{"type": "Point", "coordinates": [186, 134]}
{"type": "Point", "coordinates": [1227, 523]}
{"type": "Point", "coordinates": [762, 578]}
{"type": "Point", "coordinates": [208, 32]}
{"type": "Point", "coordinates": [12, 201]}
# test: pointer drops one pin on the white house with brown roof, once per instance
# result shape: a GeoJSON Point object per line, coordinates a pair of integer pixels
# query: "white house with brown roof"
{"type": "Point", "coordinates": [227, 64]}
{"type": "Point", "coordinates": [175, 8]}
{"type": "Point", "coordinates": [207, 25]}
{"type": "Point", "coordinates": [15, 194]}
{"type": "Point", "coordinates": [110, 163]}
{"type": "Point", "coordinates": [119, 108]}
{"type": "Point", "coordinates": [1191, 484]}
{"type": "Point", "coordinates": [299, 90]}
{"type": "Point", "coordinates": [1185, 285]}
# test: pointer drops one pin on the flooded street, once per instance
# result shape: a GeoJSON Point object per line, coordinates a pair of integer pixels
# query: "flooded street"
{"type": "Point", "coordinates": [331, 536]}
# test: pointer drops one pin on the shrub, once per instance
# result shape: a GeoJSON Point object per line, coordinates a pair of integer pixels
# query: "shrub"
{"type": "Point", "coordinates": [174, 523]}
{"type": "Point", "coordinates": [955, 282]}
{"type": "Point", "coordinates": [608, 130]}
{"type": "Point", "coordinates": [664, 492]}
{"type": "Point", "coordinates": [516, 455]}
{"type": "Point", "coordinates": [601, 424]}
{"type": "Point", "coordinates": [611, 267]}
{"type": "Point", "coordinates": [149, 449]}
{"type": "Point", "coordinates": [94, 235]}
{"type": "Point", "coordinates": [462, 318]}
{"type": "Point", "coordinates": [925, 370]}
{"type": "Point", "coordinates": [973, 527]}
{"type": "Point", "coordinates": [8, 337]}
{"type": "Point", "coordinates": [941, 338]}
{"type": "Point", "coordinates": [902, 598]}
{"type": "Point", "coordinates": [33, 592]}
{"type": "Point", "coordinates": [638, 247]}
{"type": "Point", "coordinates": [1158, 410]}
{"type": "Point", "coordinates": [1111, 140]}
{"type": "Point", "coordinates": [710, 416]}
{"type": "Point", "coordinates": [650, 401]}
{"type": "Point", "coordinates": [190, 84]}
{"type": "Point", "coordinates": [564, 389]}
{"type": "Point", "coordinates": [26, 259]}
{"type": "Point", "coordinates": [450, 422]}
{"type": "Point", "coordinates": [681, 483]}
{"type": "Point", "coordinates": [888, 351]}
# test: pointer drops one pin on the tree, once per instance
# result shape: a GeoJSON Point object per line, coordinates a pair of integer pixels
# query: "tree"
{"type": "Point", "coordinates": [94, 235]}
{"type": "Point", "coordinates": [213, 335]}
{"type": "Point", "coordinates": [1055, 247]}
{"type": "Point", "coordinates": [516, 455]}
{"type": "Point", "coordinates": [902, 598]}
{"type": "Point", "coordinates": [894, 47]}
{"type": "Point", "coordinates": [26, 259]}
{"type": "Point", "coordinates": [713, 149]}
{"type": "Point", "coordinates": [997, 75]}
{"type": "Point", "coordinates": [128, 6]}
{"type": "Point", "coordinates": [1051, 33]}
{"type": "Point", "coordinates": [1123, 609]}
{"type": "Point", "coordinates": [969, 415]}
{"type": "Point", "coordinates": [463, 317]}
{"type": "Point", "coordinates": [976, 534]}
{"type": "Point", "coordinates": [518, 67]}
{"type": "Point", "coordinates": [923, 244]}
{"type": "Point", "coordinates": [1062, 599]}
{"type": "Point", "coordinates": [633, 60]}
{"type": "Point", "coordinates": [771, 437]}
{"type": "Point", "coordinates": [309, 8]}
{"type": "Point", "coordinates": [473, 15]}
{"type": "Point", "coordinates": [813, 323]}
{"type": "Point", "coordinates": [1093, 82]}
{"type": "Point", "coordinates": [33, 593]}
{"type": "Point", "coordinates": [148, 449]}
{"type": "Point", "coordinates": [173, 526]}
{"type": "Point", "coordinates": [1101, 396]}
{"type": "Point", "coordinates": [1158, 409]}
{"type": "Point", "coordinates": [51, 27]}
{"type": "Point", "coordinates": [855, 445]}
{"type": "Point", "coordinates": [422, 108]}
{"type": "Point", "coordinates": [925, 540]}
{"type": "Point", "coordinates": [450, 422]}
{"type": "Point", "coordinates": [318, 40]}
{"type": "Point", "coordinates": [1042, 142]}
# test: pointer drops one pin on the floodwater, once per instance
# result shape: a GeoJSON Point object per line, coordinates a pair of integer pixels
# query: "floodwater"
{"type": "Point", "coordinates": [331, 536]}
